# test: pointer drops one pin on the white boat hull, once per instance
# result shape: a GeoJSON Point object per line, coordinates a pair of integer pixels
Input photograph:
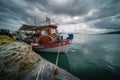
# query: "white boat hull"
{"type": "Point", "coordinates": [63, 49]}
{"type": "Point", "coordinates": [62, 46]}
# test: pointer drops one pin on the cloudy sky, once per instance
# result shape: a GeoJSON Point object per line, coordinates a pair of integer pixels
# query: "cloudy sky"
{"type": "Point", "coordinates": [83, 16]}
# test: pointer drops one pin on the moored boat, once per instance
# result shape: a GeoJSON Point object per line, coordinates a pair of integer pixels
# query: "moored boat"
{"type": "Point", "coordinates": [50, 40]}
{"type": "Point", "coordinates": [53, 46]}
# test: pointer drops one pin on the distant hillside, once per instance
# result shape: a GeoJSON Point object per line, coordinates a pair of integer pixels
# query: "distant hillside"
{"type": "Point", "coordinates": [116, 32]}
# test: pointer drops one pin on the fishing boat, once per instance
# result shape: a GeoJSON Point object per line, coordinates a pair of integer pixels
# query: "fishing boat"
{"type": "Point", "coordinates": [50, 40]}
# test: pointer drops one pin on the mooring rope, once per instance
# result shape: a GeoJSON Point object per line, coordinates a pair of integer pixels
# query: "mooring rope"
{"type": "Point", "coordinates": [58, 55]}
{"type": "Point", "coordinates": [56, 63]}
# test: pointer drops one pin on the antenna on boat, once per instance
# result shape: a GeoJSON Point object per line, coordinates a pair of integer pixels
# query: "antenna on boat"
{"type": "Point", "coordinates": [48, 20]}
{"type": "Point", "coordinates": [35, 22]}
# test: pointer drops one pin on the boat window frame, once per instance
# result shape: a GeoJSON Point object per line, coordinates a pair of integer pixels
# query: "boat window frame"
{"type": "Point", "coordinates": [44, 32]}
{"type": "Point", "coordinates": [53, 30]}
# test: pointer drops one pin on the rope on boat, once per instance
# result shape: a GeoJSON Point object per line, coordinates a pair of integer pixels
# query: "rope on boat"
{"type": "Point", "coordinates": [58, 55]}
{"type": "Point", "coordinates": [56, 63]}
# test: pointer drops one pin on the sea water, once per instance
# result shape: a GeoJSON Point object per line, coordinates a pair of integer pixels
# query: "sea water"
{"type": "Point", "coordinates": [91, 57]}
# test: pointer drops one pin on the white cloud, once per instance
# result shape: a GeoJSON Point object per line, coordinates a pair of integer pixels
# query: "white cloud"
{"type": "Point", "coordinates": [80, 28]}
{"type": "Point", "coordinates": [92, 12]}
{"type": "Point", "coordinates": [76, 18]}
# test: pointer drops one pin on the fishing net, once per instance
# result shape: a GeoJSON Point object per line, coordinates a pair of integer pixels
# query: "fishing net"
{"type": "Point", "coordinates": [5, 40]}
{"type": "Point", "coordinates": [16, 58]}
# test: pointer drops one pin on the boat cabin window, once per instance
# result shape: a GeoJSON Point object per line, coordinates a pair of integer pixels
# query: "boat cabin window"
{"type": "Point", "coordinates": [53, 31]}
{"type": "Point", "coordinates": [43, 32]}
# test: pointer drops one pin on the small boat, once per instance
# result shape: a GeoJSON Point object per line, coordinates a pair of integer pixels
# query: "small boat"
{"type": "Point", "coordinates": [50, 40]}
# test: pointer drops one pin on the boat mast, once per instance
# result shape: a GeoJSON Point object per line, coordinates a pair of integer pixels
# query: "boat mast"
{"type": "Point", "coordinates": [48, 20]}
{"type": "Point", "coordinates": [35, 22]}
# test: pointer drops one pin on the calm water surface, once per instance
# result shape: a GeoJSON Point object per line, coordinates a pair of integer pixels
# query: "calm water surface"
{"type": "Point", "coordinates": [91, 57]}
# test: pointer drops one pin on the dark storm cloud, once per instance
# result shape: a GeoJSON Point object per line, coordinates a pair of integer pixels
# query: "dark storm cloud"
{"type": "Point", "coordinates": [10, 10]}
{"type": "Point", "coordinates": [16, 9]}
{"type": "Point", "coordinates": [67, 7]}
{"type": "Point", "coordinates": [106, 23]}
{"type": "Point", "coordinates": [80, 7]}
{"type": "Point", "coordinates": [90, 9]}
{"type": "Point", "coordinates": [14, 13]}
{"type": "Point", "coordinates": [117, 16]}
{"type": "Point", "coordinates": [111, 9]}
